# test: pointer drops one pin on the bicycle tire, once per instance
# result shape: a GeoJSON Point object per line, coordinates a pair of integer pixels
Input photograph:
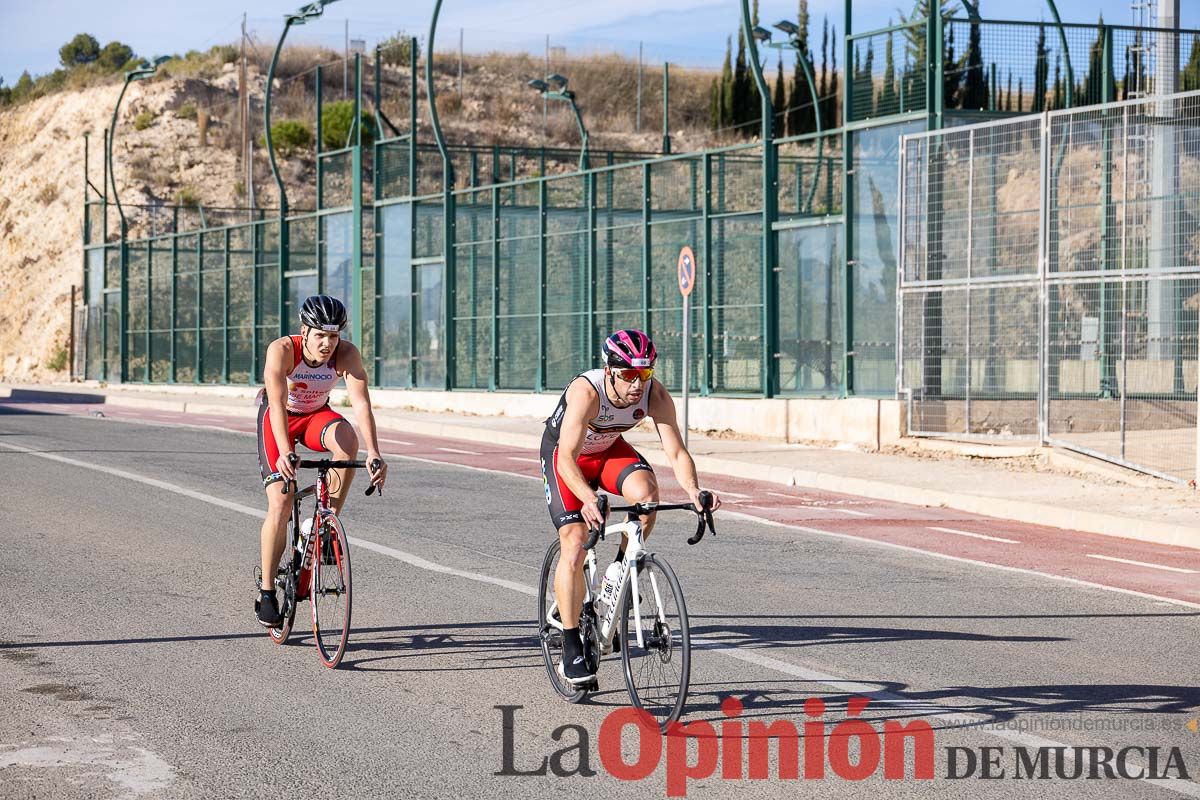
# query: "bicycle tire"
{"type": "Point", "coordinates": [331, 592]}
{"type": "Point", "coordinates": [652, 686]}
{"type": "Point", "coordinates": [285, 585]}
{"type": "Point", "coordinates": [550, 637]}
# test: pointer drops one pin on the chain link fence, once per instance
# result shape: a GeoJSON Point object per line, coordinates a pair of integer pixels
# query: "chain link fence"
{"type": "Point", "coordinates": [1050, 281]}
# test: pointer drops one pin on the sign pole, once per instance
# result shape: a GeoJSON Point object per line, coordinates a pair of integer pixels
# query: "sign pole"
{"type": "Point", "coordinates": [687, 281]}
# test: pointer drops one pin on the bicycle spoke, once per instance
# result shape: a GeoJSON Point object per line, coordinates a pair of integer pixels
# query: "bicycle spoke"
{"type": "Point", "coordinates": [657, 672]}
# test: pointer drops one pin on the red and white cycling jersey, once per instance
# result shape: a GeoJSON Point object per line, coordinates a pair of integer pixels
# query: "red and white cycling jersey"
{"type": "Point", "coordinates": [308, 388]}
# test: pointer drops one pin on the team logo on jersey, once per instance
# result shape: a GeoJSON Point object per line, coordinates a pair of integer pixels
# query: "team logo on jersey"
{"type": "Point", "coordinates": [638, 413]}
{"type": "Point", "coordinates": [298, 386]}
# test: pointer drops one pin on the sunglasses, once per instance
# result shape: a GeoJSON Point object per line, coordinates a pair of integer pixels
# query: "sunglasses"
{"type": "Point", "coordinates": [631, 375]}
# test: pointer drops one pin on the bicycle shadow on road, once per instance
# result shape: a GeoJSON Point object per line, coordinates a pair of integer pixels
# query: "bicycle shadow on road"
{"type": "Point", "coordinates": [492, 645]}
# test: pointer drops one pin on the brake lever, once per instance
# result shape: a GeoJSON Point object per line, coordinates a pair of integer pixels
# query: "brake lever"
{"type": "Point", "coordinates": [374, 467]}
{"type": "Point", "coordinates": [705, 518]}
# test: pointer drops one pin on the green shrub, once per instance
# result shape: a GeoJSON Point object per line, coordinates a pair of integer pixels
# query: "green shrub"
{"type": "Point", "coordinates": [58, 361]}
{"type": "Point", "coordinates": [48, 194]}
{"type": "Point", "coordinates": [290, 136]}
{"type": "Point", "coordinates": [187, 197]}
{"type": "Point", "coordinates": [336, 120]}
{"type": "Point", "coordinates": [83, 49]}
{"type": "Point", "coordinates": [224, 53]}
{"type": "Point", "coordinates": [143, 120]}
{"type": "Point", "coordinates": [395, 49]}
{"type": "Point", "coordinates": [187, 110]}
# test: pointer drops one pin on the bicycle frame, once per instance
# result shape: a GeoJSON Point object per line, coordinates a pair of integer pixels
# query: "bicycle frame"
{"type": "Point", "coordinates": [635, 550]}
{"type": "Point", "coordinates": [319, 488]}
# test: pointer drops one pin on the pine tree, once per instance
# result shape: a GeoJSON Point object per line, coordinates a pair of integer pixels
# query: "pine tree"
{"type": "Point", "coordinates": [1041, 71]}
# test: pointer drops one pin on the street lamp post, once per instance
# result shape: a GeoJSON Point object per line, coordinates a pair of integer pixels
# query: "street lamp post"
{"type": "Point", "coordinates": [792, 30]}
{"type": "Point", "coordinates": [144, 71]}
{"type": "Point", "coordinates": [303, 15]}
{"type": "Point", "coordinates": [561, 92]}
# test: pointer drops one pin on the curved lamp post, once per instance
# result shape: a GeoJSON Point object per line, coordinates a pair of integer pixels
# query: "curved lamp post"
{"type": "Point", "coordinates": [144, 71]}
{"type": "Point", "coordinates": [792, 30]}
{"type": "Point", "coordinates": [561, 92]}
{"type": "Point", "coordinates": [310, 11]}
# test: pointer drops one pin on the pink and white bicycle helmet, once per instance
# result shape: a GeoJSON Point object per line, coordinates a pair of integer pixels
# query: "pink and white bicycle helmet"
{"type": "Point", "coordinates": [629, 347]}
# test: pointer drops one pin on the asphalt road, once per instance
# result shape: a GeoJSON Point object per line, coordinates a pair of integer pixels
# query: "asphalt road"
{"type": "Point", "coordinates": [130, 663]}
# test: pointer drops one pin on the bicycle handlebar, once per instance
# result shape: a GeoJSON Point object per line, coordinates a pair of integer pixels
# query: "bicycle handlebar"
{"type": "Point", "coordinates": [705, 521]}
{"type": "Point", "coordinates": [324, 464]}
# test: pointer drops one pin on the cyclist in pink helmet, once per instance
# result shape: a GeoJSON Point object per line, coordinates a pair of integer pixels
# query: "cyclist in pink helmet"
{"type": "Point", "coordinates": [583, 450]}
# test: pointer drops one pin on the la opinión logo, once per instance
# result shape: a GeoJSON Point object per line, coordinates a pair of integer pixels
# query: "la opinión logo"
{"type": "Point", "coordinates": [853, 749]}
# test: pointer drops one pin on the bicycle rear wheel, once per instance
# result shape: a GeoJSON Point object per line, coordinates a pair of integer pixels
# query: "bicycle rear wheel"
{"type": "Point", "coordinates": [550, 628]}
{"type": "Point", "coordinates": [331, 593]}
{"type": "Point", "coordinates": [285, 591]}
{"type": "Point", "coordinates": [656, 672]}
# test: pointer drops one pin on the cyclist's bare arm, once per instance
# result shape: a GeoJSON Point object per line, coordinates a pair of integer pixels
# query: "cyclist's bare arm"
{"type": "Point", "coordinates": [275, 371]}
{"type": "Point", "coordinates": [350, 360]}
{"type": "Point", "coordinates": [661, 409]}
{"type": "Point", "coordinates": [582, 405]}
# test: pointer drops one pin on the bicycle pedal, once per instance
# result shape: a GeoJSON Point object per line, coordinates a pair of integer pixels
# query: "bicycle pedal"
{"type": "Point", "coordinates": [592, 686]}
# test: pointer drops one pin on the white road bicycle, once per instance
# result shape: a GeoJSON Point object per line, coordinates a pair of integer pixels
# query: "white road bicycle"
{"type": "Point", "coordinates": [653, 636]}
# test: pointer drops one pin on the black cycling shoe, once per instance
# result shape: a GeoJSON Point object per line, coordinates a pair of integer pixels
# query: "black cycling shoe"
{"type": "Point", "coordinates": [267, 610]}
{"type": "Point", "coordinates": [576, 670]}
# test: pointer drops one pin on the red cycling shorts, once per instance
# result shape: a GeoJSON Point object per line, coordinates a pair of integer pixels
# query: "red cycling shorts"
{"type": "Point", "coordinates": [605, 470]}
{"type": "Point", "coordinates": [308, 429]}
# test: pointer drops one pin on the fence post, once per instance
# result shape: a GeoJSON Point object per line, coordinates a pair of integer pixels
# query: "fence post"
{"type": "Point", "coordinates": [706, 221]}
{"type": "Point", "coordinates": [1043, 291]}
{"type": "Point", "coordinates": [225, 316]}
{"type": "Point", "coordinates": [646, 253]}
{"type": "Point", "coordinates": [540, 381]}
{"type": "Point", "coordinates": [494, 378]}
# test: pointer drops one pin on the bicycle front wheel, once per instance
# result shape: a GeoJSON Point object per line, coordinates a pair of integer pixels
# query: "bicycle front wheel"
{"type": "Point", "coordinates": [549, 624]}
{"type": "Point", "coordinates": [331, 593]}
{"type": "Point", "coordinates": [658, 669]}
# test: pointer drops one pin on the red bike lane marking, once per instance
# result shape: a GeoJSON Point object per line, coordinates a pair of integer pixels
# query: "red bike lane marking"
{"type": "Point", "coordinates": [1049, 551]}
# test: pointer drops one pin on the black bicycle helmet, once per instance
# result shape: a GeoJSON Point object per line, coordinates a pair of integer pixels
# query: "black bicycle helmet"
{"type": "Point", "coordinates": [323, 313]}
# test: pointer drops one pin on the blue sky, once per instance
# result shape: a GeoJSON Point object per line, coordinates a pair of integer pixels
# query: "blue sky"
{"type": "Point", "coordinates": [683, 31]}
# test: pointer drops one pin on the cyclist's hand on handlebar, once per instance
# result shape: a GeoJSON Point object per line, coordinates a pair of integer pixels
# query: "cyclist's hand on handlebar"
{"type": "Point", "coordinates": [377, 468]}
{"type": "Point", "coordinates": [592, 516]}
{"type": "Point", "coordinates": [714, 504]}
{"type": "Point", "coordinates": [285, 465]}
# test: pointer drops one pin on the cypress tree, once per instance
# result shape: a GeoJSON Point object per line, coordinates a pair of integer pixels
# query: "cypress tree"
{"type": "Point", "coordinates": [727, 86]}
{"type": "Point", "coordinates": [1008, 95]}
{"type": "Point", "coordinates": [779, 100]}
{"type": "Point", "coordinates": [1191, 72]}
{"type": "Point", "coordinates": [740, 89]}
{"type": "Point", "coordinates": [835, 115]}
{"type": "Point", "coordinates": [801, 114]}
{"type": "Point", "coordinates": [888, 99]}
{"type": "Point", "coordinates": [1058, 85]}
{"type": "Point", "coordinates": [1093, 82]}
{"type": "Point", "coordinates": [975, 84]}
{"type": "Point", "coordinates": [1041, 71]}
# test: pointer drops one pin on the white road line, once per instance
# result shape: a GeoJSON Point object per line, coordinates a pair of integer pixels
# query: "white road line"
{"type": "Point", "coordinates": [395, 441]}
{"type": "Point", "coordinates": [524, 459]}
{"type": "Point", "coordinates": [462, 452]}
{"type": "Point", "coordinates": [877, 543]}
{"type": "Point", "coordinates": [973, 535]}
{"type": "Point", "coordinates": [734, 494]}
{"type": "Point", "coordinates": [849, 511]}
{"type": "Point", "coordinates": [777, 494]}
{"type": "Point", "coordinates": [744, 654]}
{"type": "Point", "coordinates": [1142, 564]}
{"type": "Point", "coordinates": [725, 512]}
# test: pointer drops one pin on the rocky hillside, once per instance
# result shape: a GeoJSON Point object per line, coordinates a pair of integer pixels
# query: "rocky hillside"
{"type": "Point", "coordinates": [161, 157]}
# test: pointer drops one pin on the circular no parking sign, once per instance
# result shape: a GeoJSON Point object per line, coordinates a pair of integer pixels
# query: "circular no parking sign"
{"type": "Point", "coordinates": [687, 271]}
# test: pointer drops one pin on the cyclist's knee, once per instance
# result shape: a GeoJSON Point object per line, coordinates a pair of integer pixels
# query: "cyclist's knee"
{"type": "Point", "coordinates": [342, 441]}
{"type": "Point", "coordinates": [572, 539]}
{"type": "Point", "coordinates": [640, 487]}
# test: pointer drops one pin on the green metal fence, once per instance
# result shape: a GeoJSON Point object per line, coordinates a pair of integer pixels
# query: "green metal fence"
{"type": "Point", "coordinates": [796, 240]}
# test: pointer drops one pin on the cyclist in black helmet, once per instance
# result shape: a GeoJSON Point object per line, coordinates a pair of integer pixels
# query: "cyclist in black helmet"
{"type": "Point", "coordinates": [299, 374]}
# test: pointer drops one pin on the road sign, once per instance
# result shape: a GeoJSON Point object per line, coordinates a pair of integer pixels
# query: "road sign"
{"type": "Point", "coordinates": [687, 271]}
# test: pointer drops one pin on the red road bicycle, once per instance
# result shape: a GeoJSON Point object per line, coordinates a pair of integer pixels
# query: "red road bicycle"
{"type": "Point", "coordinates": [316, 565]}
